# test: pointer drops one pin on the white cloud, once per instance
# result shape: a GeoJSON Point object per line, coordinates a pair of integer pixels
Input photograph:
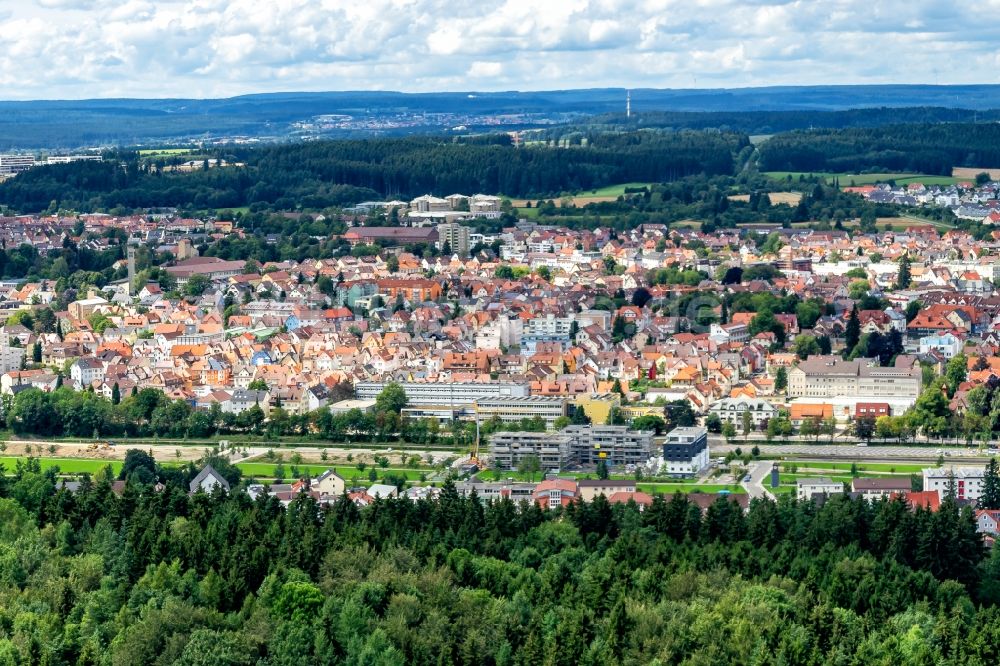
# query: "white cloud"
{"type": "Point", "coordinates": [101, 48]}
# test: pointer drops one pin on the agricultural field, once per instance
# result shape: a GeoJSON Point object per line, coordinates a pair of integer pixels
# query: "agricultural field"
{"type": "Point", "coordinates": [848, 179]}
{"type": "Point", "coordinates": [609, 193]}
{"type": "Point", "coordinates": [266, 470]}
{"type": "Point", "coordinates": [970, 173]}
{"type": "Point", "coordinates": [788, 198]}
{"type": "Point", "coordinates": [65, 465]}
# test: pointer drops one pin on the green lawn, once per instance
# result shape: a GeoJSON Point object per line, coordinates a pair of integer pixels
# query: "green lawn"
{"type": "Point", "coordinates": [266, 470]}
{"type": "Point", "coordinates": [611, 190]}
{"type": "Point", "coordinates": [791, 479]}
{"type": "Point", "coordinates": [847, 179]}
{"type": "Point", "coordinates": [528, 212]}
{"type": "Point", "coordinates": [863, 468]}
{"type": "Point", "coordinates": [65, 465]}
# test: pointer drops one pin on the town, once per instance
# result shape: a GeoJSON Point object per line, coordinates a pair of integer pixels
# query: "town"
{"type": "Point", "coordinates": [622, 358]}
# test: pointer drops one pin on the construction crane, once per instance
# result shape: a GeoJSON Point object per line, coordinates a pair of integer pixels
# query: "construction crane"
{"type": "Point", "coordinates": [474, 458]}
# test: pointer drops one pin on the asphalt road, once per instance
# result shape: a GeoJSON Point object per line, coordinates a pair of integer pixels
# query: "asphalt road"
{"type": "Point", "coordinates": [851, 451]}
{"type": "Point", "coordinates": [759, 474]}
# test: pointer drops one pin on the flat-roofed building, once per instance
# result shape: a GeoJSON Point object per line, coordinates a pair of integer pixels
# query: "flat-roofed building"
{"type": "Point", "coordinates": [685, 451]}
{"type": "Point", "coordinates": [514, 409]}
{"type": "Point", "coordinates": [553, 450]}
{"type": "Point", "coordinates": [445, 394]}
{"type": "Point", "coordinates": [11, 165]}
{"type": "Point", "coordinates": [456, 236]}
{"type": "Point", "coordinates": [616, 445]}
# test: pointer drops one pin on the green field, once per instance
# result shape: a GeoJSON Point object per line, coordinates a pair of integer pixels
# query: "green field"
{"type": "Point", "coordinates": [863, 468]}
{"type": "Point", "coordinates": [847, 179]}
{"type": "Point", "coordinates": [611, 190]}
{"type": "Point", "coordinates": [792, 479]}
{"type": "Point", "coordinates": [527, 212]}
{"type": "Point", "coordinates": [65, 465]}
{"type": "Point", "coordinates": [266, 470]}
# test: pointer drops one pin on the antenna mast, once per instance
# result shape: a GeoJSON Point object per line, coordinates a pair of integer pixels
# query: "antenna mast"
{"type": "Point", "coordinates": [628, 103]}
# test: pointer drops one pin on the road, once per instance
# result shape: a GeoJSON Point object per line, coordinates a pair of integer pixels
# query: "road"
{"type": "Point", "coordinates": [168, 452]}
{"type": "Point", "coordinates": [759, 475]}
{"type": "Point", "coordinates": [850, 451]}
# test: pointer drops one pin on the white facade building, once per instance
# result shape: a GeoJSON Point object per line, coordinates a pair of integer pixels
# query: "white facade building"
{"type": "Point", "coordinates": [806, 488]}
{"type": "Point", "coordinates": [968, 481]}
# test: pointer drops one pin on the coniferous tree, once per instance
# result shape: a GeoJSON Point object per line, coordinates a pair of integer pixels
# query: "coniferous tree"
{"type": "Point", "coordinates": [853, 333]}
{"type": "Point", "coordinates": [903, 278]}
{"type": "Point", "coordinates": [990, 498]}
{"type": "Point", "coordinates": [781, 379]}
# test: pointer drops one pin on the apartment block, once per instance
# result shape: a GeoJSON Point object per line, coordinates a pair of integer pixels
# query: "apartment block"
{"type": "Point", "coordinates": [554, 451]}
{"type": "Point", "coordinates": [456, 236]}
{"type": "Point", "coordinates": [616, 445]}
{"type": "Point", "coordinates": [968, 481]}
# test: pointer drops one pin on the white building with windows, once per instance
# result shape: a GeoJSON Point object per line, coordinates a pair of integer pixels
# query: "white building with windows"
{"type": "Point", "coordinates": [806, 489]}
{"type": "Point", "coordinates": [732, 410]}
{"type": "Point", "coordinates": [968, 481]}
{"type": "Point", "coordinates": [948, 345]}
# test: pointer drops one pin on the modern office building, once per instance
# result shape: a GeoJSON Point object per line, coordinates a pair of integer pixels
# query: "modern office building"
{"type": "Point", "coordinates": [685, 451]}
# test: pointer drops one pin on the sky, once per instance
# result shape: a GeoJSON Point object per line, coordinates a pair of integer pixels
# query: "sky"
{"type": "Point", "coordinates": [69, 49]}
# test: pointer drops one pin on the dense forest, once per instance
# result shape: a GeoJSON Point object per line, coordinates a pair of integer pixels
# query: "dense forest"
{"type": "Point", "coordinates": [931, 149]}
{"type": "Point", "coordinates": [161, 577]}
{"type": "Point", "coordinates": [771, 122]}
{"type": "Point", "coordinates": [337, 173]}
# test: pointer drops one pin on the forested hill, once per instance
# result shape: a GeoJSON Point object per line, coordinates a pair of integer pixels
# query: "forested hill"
{"type": "Point", "coordinates": [68, 124]}
{"type": "Point", "coordinates": [771, 122]}
{"type": "Point", "coordinates": [925, 148]}
{"type": "Point", "coordinates": [158, 577]}
{"type": "Point", "coordinates": [330, 173]}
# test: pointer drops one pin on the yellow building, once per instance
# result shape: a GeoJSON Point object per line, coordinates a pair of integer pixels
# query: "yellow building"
{"type": "Point", "coordinates": [632, 412]}
{"type": "Point", "coordinates": [597, 406]}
